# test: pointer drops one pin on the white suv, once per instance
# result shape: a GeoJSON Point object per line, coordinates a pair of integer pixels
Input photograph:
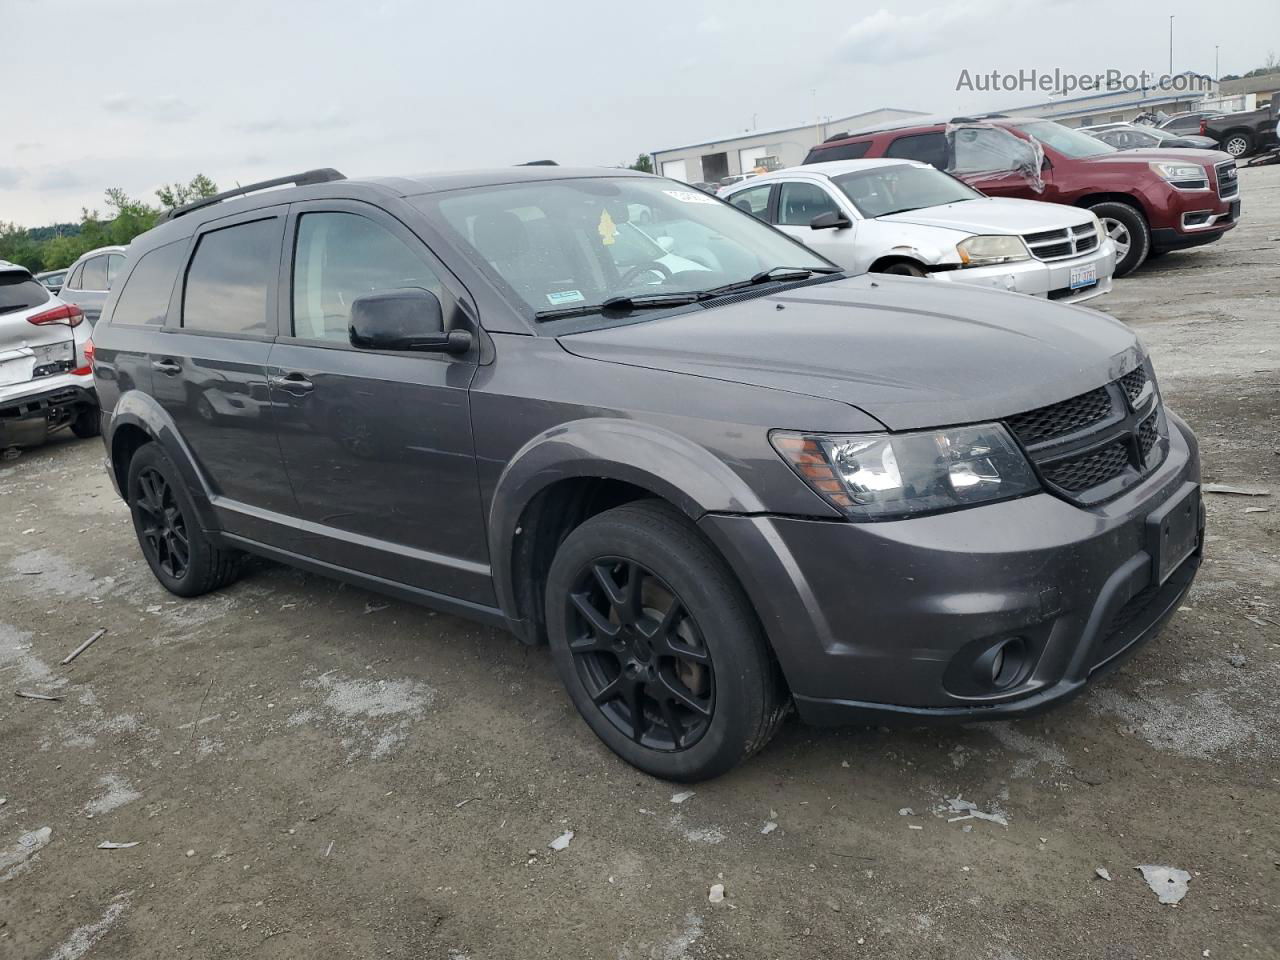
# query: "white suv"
{"type": "Point", "coordinates": [45, 379]}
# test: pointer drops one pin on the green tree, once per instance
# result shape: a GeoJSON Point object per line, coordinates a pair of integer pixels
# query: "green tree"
{"type": "Point", "coordinates": [643, 163]}
{"type": "Point", "coordinates": [176, 194]}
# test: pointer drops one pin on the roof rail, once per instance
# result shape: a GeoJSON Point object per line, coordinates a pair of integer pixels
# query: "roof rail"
{"type": "Point", "coordinates": [323, 175]}
{"type": "Point", "coordinates": [842, 135]}
{"type": "Point", "coordinates": [979, 116]}
{"type": "Point", "coordinates": [538, 163]}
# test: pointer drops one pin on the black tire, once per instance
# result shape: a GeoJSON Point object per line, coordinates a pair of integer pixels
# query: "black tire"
{"type": "Point", "coordinates": [704, 648]}
{"type": "Point", "coordinates": [165, 522]}
{"type": "Point", "coordinates": [1238, 143]}
{"type": "Point", "coordinates": [902, 269]}
{"type": "Point", "coordinates": [1128, 228]}
{"type": "Point", "coordinates": [87, 423]}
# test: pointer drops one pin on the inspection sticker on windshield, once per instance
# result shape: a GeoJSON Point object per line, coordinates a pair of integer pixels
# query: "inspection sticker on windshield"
{"type": "Point", "coordinates": [689, 196]}
{"type": "Point", "coordinates": [561, 297]}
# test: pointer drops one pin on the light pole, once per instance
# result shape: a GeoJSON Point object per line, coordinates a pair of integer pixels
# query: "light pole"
{"type": "Point", "coordinates": [1216, 74]}
{"type": "Point", "coordinates": [1171, 44]}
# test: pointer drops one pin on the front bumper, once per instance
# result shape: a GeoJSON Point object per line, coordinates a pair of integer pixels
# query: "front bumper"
{"type": "Point", "coordinates": [1041, 278]}
{"type": "Point", "coordinates": [28, 415]}
{"type": "Point", "coordinates": [871, 619]}
{"type": "Point", "coordinates": [1190, 218]}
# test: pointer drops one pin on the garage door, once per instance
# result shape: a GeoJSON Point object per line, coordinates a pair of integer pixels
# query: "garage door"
{"type": "Point", "coordinates": [747, 158]}
{"type": "Point", "coordinates": [675, 169]}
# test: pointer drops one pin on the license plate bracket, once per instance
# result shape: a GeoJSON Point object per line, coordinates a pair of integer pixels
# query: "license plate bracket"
{"type": "Point", "coordinates": [1084, 276]}
{"type": "Point", "coordinates": [1172, 531]}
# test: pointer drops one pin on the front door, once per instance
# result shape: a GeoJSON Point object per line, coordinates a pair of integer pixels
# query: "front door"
{"type": "Point", "coordinates": [799, 201]}
{"type": "Point", "coordinates": [209, 369]}
{"type": "Point", "coordinates": [377, 443]}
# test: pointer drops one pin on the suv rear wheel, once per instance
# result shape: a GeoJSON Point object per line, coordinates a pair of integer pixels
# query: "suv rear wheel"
{"type": "Point", "coordinates": [182, 557]}
{"type": "Point", "coordinates": [658, 646]}
{"type": "Point", "coordinates": [1128, 229]}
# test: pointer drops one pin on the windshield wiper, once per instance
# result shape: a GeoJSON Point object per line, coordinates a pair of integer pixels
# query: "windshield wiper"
{"type": "Point", "coordinates": [621, 304]}
{"type": "Point", "coordinates": [779, 274]}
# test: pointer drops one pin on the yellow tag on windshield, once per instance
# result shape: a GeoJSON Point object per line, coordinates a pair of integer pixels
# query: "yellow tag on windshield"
{"type": "Point", "coordinates": [607, 229]}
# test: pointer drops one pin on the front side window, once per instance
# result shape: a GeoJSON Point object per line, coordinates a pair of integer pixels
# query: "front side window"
{"type": "Point", "coordinates": [799, 203]}
{"type": "Point", "coordinates": [552, 242]}
{"type": "Point", "coordinates": [230, 279]}
{"type": "Point", "coordinates": [754, 201]}
{"type": "Point", "coordinates": [339, 257]}
{"type": "Point", "coordinates": [95, 274]}
{"type": "Point", "coordinates": [144, 301]}
{"type": "Point", "coordinates": [900, 187]}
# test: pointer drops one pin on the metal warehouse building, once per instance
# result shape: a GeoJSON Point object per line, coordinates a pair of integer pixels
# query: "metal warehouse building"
{"type": "Point", "coordinates": [713, 160]}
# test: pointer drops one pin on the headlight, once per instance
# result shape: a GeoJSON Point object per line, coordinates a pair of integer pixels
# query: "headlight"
{"type": "Point", "coordinates": [984, 251]}
{"type": "Point", "coordinates": [890, 476]}
{"type": "Point", "coordinates": [1188, 176]}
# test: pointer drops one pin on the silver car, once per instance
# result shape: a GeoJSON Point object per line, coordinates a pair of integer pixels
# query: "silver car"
{"type": "Point", "coordinates": [905, 217]}
{"type": "Point", "coordinates": [89, 280]}
{"type": "Point", "coordinates": [45, 378]}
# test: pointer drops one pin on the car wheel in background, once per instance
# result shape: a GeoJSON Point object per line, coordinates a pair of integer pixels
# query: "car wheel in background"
{"type": "Point", "coordinates": [181, 556]}
{"type": "Point", "coordinates": [1128, 229]}
{"type": "Point", "coordinates": [1238, 144]}
{"type": "Point", "coordinates": [87, 423]}
{"type": "Point", "coordinates": [902, 269]}
{"type": "Point", "coordinates": [658, 646]}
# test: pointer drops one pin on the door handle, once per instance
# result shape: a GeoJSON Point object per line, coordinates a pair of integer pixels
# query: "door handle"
{"type": "Point", "coordinates": [294, 383]}
{"type": "Point", "coordinates": [168, 366]}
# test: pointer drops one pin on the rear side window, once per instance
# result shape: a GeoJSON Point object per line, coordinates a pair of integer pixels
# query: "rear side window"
{"type": "Point", "coordinates": [755, 201]}
{"type": "Point", "coordinates": [930, 148]}
{"type": "Point", "coordinates": [844, 151]}
{"type": "Point", "coordinates": [339, 257]}
{"type": "Point", "coordinates": [144, 301]}
{"type": "Point", "coordinates": [95, 274]}
{"type": "Point", "coordinates": [76, 276]}
{"type": "Point", "coordinates": [230, 279]}
{"type": "Point", "coordinates": [19, 292]}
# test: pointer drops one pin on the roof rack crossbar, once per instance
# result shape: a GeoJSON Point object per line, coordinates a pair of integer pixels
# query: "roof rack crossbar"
{"type": "Point", "coordinates": [322, 175]}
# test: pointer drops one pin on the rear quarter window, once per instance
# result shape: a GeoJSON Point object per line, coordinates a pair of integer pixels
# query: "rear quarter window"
{"type": "Point", "coordinates": [230, 280]}
{"type": "Point", "coordinates": [18, 291]}
{"type": "Point", "coordinates": [144, 300]}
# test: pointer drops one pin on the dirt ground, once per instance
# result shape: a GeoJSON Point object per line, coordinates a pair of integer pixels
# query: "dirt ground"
{"type": "Point", "coordinates": [314, 771]}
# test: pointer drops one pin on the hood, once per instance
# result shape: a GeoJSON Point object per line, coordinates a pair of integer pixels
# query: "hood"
{"type": "Point", "coordinates": [913, 353]}
{"type": "Point", "coordinates": [1152, 154]}
{"type": "Point", "coordinates": [994, 215]}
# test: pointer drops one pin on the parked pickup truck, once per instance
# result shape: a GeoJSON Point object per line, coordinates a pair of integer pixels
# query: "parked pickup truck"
{"type": "Point", "coordinates": [1242, 134]}
{"type": "Point", "coordinates": [1149, 201]}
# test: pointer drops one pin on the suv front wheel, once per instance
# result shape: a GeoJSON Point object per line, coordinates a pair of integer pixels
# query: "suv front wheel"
{"type": "Point", "coordinates": [658, 646]}
{"type": "Point", "coordinates": [1128, 229]}
{"type": "Point", "coordinates": [180, 554]}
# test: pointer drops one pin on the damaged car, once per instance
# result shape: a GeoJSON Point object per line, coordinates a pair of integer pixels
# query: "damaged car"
{"type": "Point", "coordinates": [908, 218]}
{"type": "Point", "coordinates": [720, 483]}
{"type": "Point", "coordinates": [45, 380]}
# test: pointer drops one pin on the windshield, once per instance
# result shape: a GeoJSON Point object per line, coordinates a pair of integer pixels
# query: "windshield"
{"type": "Point", "coordinates": [576, 243]}
{"type": "Point", "coordinates": [1071, 143]}
{"type": "Point", "coordinates": [884, 190]}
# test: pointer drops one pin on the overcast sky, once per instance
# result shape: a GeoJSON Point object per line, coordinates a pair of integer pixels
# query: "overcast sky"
{"type": "Point", "coordinates": [134, 93]}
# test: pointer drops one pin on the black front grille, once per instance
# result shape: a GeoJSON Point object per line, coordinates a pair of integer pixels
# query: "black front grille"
{"type": "Point", "coordinates": [1133, 384]}
{"type": "Point", "coordinates": [1051, 250]}
{"type": "Point", "coordinates": [1093, 469]}
{"type": "Point", "coordinates": [1062, 418]}
{"type": "Point", "coordinates": [1085, 244]}
{"type": "Point", "coordinates": [1148, 434]}
{"type": "Point", "coordinates": [1042, 236]}
{"type": "Point", "coordinates": [1228, 180]}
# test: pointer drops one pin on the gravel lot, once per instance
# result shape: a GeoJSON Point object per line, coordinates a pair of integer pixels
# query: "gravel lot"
{"type": "Point", "coordinates": [311, 770]}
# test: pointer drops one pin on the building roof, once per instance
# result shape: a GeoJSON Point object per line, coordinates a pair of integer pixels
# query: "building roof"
{"type": "Point", "coordinates": [1266, 83]}
{"type": "Point", "coordinates": [753, 134]}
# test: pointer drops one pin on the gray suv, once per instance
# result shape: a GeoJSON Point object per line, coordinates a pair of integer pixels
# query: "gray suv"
{"type": "Point", "coordinates": [614, 414]}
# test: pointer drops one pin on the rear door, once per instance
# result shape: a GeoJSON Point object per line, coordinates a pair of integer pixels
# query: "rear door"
{"type": "Point", "coordinates": [209, 369]}
{"type": "Point", "coordinates": [377, 444]}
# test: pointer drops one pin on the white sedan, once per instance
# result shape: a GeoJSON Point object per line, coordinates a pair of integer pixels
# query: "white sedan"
{"type": "Point", "coordinates": [904, 217]}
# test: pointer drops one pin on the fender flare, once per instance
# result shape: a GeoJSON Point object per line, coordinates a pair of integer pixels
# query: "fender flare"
{"type": "Point", "coordinates": [669, 465]}
{"type": "Point", "coordinates": [141, 410]}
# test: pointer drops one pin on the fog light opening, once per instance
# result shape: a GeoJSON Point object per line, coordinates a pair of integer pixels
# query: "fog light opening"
{"type": "Point", "coordinates": [1001, 665]}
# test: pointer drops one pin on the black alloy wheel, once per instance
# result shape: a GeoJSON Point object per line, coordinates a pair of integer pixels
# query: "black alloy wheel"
{"type": "Point", "coordinates": [640, 654]}
{"type": "Point", "coordinates": [163, 529]}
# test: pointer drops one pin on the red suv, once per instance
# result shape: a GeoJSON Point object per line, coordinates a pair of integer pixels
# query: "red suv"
{"type": "Point", "coordinates": [1150, 201]}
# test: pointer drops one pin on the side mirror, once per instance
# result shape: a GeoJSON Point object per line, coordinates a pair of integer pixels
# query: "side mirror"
{"type": "Point", "coordinates": [409, 319]}
{"type": "Point", "coordinates": [831, 220]}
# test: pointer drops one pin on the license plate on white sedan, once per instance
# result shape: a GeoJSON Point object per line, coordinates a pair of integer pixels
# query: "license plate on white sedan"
{"type": "Point", "coordinates": [1084, 276]}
